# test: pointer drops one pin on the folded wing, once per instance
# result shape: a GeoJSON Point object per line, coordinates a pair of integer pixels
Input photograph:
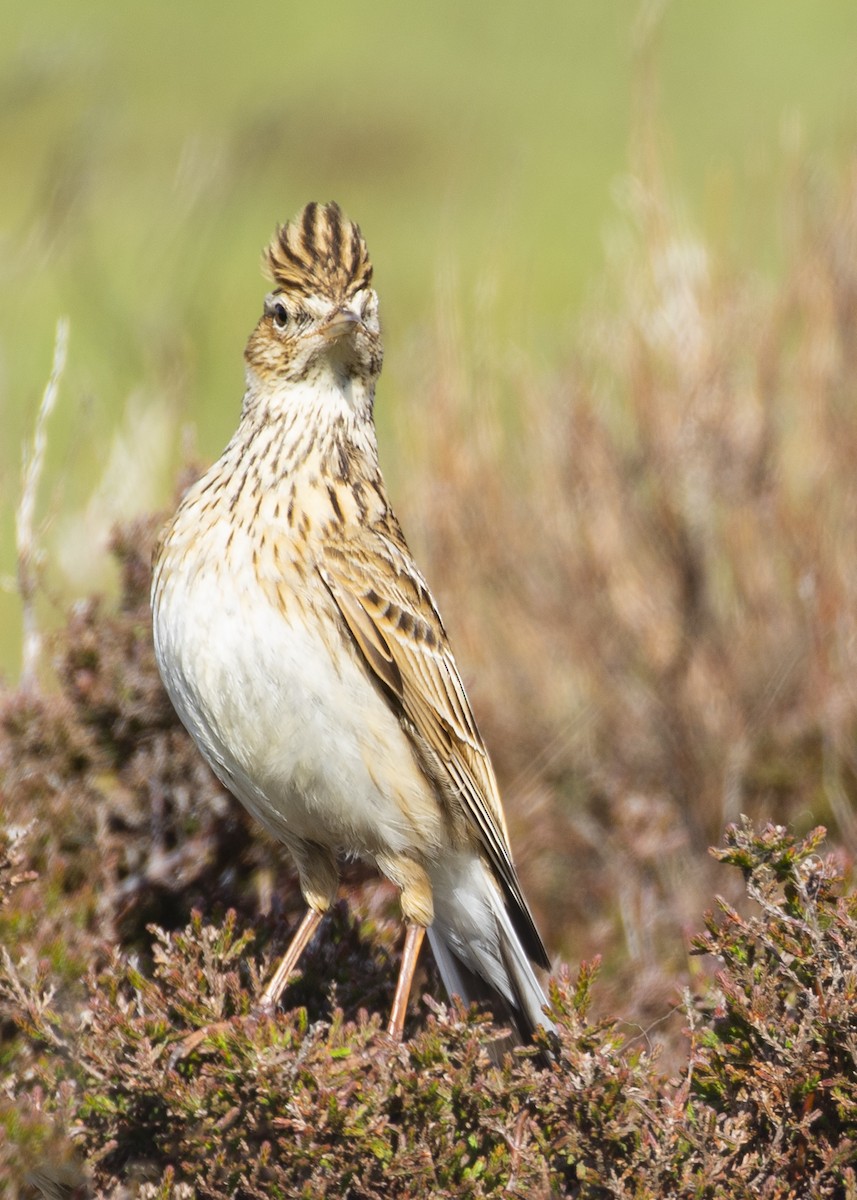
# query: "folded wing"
{"type": "Point", "coordinates": [389, 612]}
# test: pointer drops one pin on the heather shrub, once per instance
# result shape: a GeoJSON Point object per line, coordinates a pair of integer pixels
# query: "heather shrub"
{"type": "Point", "coordinates": [106, 1092]}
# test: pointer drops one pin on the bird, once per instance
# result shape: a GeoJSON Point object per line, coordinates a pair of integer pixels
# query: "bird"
{"type": "Point", "coordinates": [302, 648]}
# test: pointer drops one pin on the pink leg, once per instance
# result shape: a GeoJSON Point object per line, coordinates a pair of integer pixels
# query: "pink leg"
{"type": "Point", "coordinates": [289, 961]}
{"type": "Point", "coordinates": [410, 954]}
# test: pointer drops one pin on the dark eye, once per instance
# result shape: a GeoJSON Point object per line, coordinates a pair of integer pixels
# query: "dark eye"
{"type": "Point", "coordinates": [280, 314]}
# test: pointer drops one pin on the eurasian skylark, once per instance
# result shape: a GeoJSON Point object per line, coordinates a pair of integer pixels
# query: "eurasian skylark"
{"type": "Point", "coordinates": [303, 651]}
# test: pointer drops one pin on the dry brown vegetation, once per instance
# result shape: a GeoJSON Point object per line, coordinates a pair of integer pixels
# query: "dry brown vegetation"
{"type": "Point", "coordinates": [648, 565]}
{"type": "Point", "coordinates": [649, 561]}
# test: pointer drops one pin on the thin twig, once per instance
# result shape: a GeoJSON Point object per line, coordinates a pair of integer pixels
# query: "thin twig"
{"type": "Point", "coordinates": [25, 536]}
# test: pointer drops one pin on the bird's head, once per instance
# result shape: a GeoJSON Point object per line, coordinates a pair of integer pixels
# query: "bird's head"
{"type": "Point", "coordinates": [322, 316]}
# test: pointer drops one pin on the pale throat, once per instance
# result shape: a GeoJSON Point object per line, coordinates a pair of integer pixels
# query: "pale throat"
{"type": "Point", "coordinates": [309, 420]}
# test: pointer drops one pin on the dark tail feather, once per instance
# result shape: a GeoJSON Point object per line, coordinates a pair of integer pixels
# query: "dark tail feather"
{"type": "Point", "coordinates": [521, 1018]}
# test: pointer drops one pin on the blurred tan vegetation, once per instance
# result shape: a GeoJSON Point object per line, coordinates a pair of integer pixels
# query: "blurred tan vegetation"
{"type": "Point", "coordinates": [649, 565]}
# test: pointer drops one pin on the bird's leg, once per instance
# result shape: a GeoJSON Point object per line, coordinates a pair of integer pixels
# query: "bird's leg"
{"type": "Point", "coordinates": [319, 878]}
{"type": "Point", "coordinates": [289, 961]}
{"type": "Point", "coordinates": [410, 954]}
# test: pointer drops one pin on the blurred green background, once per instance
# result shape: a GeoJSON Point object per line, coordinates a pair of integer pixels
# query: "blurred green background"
{"type": "Point", "coordinates": [147, 151]}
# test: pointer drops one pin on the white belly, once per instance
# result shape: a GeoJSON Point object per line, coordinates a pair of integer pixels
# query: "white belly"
{"type": "Point", "coordinates": [309, 745]}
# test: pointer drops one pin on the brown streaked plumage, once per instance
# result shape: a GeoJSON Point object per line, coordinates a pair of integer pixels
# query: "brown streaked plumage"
{"type": "Point", "coordinates": [320, 253]}
{"type": "Point", "coordinates": [303, 650]}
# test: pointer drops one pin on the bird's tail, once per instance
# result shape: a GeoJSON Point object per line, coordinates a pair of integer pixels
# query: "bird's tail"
{"type": "Point", "coordinates": [478, 951]}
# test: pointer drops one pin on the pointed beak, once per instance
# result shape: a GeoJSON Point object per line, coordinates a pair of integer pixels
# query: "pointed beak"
{"type": "Point", "coordinates": [340, 324]}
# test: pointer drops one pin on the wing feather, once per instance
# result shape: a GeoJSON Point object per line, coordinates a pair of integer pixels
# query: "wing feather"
{"type": "Point", "coordinates": [366, 634]}
{"type": "Point", "coordinates": [388, 608]}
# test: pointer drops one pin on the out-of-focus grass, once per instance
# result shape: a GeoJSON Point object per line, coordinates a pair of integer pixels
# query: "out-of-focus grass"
{"type": "Point", "coordinates": [147, 152]}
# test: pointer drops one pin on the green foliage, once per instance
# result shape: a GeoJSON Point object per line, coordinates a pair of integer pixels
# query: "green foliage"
{"type": "Point", "coordinates": [781, 1045]}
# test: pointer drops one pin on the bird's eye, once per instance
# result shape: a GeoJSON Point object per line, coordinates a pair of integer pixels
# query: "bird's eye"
{"type": "Point", "coordinates": [280, 314]}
